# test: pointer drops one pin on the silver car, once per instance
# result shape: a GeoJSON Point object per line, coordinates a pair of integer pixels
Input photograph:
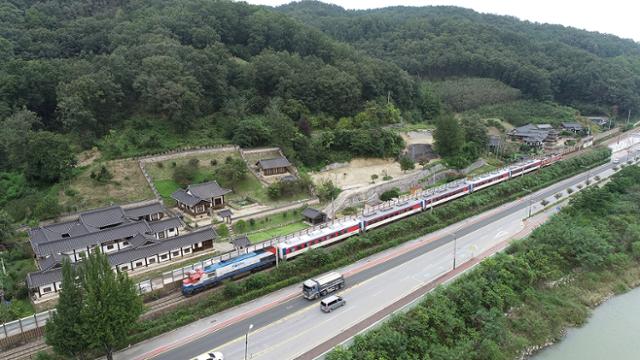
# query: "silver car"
{"type": "Point", "coordinates": [331, 303]}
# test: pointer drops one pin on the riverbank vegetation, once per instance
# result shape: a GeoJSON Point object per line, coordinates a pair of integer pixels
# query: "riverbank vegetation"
{"type": "Point", "coordinates": [322, 260]}
{"type": "Point", "coordinates": [527, 295]}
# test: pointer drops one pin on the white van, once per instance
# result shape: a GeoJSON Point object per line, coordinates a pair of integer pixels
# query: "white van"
{"type": "Point", "coordinates": [331, 303]}
{"type": "Point", "coordinates": [210, 356]}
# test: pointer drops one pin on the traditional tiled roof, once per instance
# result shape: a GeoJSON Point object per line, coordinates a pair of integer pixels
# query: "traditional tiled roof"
{"type": "Point", "coordinates": [166, 224]}
{"type": "Point", "coordinates": [91, 239]}
{"type": "Point", "coordinates": [274, 163]}
{"type": "Point", "coordinates": [241, 241]}
{"type": "Point", "coordinates": [144, 210]}
{"type": "Point", "coordinates": [146, 247]}
{"type": "Point", "coordinates": [40, 278]}
{"type": "Point", "coordinates": [225, 213]}
{"type": "Point", "coordinates": [105, 217]}
{"type": "Point", "coordinates": [129, 255]}
{"type": "Point", "coordinates": [199, 192]}
{"type": "Point", "coordinates": [572, 125]}
{"type": "Point", "coordinates": [312, 213]}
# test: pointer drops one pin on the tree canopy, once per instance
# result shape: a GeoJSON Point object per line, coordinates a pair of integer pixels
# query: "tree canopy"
{"type": "Point", "coordinates": [587, 70]}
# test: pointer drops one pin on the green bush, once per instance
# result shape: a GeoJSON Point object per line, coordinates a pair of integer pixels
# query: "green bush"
{"type": "Point", "coordinates": [390, 194]}
{"type": "Point", "coordinates": [223, 230]}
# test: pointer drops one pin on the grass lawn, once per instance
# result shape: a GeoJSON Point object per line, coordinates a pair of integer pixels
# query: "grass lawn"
{"type": "Point", "coordinates": [270, 221]}
{"type": "Point", "coordinates": [271, 233]}
{"type": "Point", "coordinates": [482, 170]}
{"type": "Point", "coordinates": [163, 170]}
{"type": "Point", "coordinates": [126, 185]}
{"type": "Point", "coordinates": [166, 188]}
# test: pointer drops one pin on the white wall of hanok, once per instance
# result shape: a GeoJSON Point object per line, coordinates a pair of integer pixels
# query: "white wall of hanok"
{"type": "Point", "coordinates": [143, 262]}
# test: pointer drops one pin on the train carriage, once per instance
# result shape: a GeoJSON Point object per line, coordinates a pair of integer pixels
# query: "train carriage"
{"type": "Point", "coordinates": [322, 236]}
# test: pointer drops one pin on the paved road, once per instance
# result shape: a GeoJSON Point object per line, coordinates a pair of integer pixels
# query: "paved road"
{"type": "Point", "coordinates": [286, 325]}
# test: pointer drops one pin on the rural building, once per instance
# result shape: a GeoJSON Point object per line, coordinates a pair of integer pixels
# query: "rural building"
{"type": "Point", "coordinates": [314, 216]}
{"type": "Point", "coordinates": [572, 126]}
{"type": "Point", "coordinates": [241, 242]}
{"type": "Point", "coordinates": [279, 165]}
{"type": "Point", "coordinates": [144, 250]}
{"type": "Point", "coordinates": [114, 230]}
{"type": "Point", "coordinates": [534, 134]}
{"type": "Point", "coordinates": [198, 199]}
{"type": "Point", "coordinates": [599, 120]}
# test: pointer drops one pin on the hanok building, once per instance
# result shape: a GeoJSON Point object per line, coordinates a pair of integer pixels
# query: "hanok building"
{"type": "Point", "coordinates": [572, 126]}
{"type": "Point", "coordinates": [314, 216]}
{"type": "Point", "coordinates": [599, 120]}
{"type": "Point", "coordinates": [199, 199]}
{"type": "Point", "coordinates": [279, 165]}
{"type": "Point", "coordinates": [143, 251]}
{"type": "Point", "coordinates": [113, 230]}
{"type": "Point", "coordinates": [534, 135]}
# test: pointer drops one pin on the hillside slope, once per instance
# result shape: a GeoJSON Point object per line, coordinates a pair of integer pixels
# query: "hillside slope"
{"type": "Point", "coordinates": [591, 71]}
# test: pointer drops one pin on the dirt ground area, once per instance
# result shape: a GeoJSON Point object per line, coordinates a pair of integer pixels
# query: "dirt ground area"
{"type": "Point", "coordinates": [358, 172]}
{"type": "Point", "coordinates": [127, 185]}
{"type": "Point", "coordinates": [417, 137]}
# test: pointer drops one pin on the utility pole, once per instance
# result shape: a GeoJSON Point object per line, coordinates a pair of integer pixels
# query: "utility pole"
{"type": "Point", "coordinates": [628, 116]}
{"type": "Point", "coordinates": [246, 342]}
{"type": "Point", "coordinates": [455, 247]}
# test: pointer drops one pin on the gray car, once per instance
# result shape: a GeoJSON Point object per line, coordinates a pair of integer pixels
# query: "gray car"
{"type": "Point", "coordinates": [331, 303]}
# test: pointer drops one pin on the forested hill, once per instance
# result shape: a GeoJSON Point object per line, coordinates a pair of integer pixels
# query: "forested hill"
{"type": "Point", "coordinates": [84, 67]}
{"type": "Point", "coordinates": [574, 67]}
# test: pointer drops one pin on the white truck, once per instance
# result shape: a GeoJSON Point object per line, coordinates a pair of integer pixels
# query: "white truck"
{"type": "Point", "coordinates": [321, 286]}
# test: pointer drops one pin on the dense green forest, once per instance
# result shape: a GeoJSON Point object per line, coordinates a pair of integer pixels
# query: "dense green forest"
{"type": "Point", "coordinates": [530, 293]}
{"type": "Point", "coordinates": [589, 71]}
{"type": "Point", "coordinates": [135, 77]}
{"type": "Point", "coordinates": [113, 70]}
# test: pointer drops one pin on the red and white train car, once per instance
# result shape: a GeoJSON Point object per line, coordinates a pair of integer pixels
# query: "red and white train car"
{"type": "Point", "coordinates": [391, 213]}
{"type": "Point", "coordinates": [318, 237]}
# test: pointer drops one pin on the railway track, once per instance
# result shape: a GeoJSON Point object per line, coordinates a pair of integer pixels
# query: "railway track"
{"type": "Point", "coordinates": [27, 351]}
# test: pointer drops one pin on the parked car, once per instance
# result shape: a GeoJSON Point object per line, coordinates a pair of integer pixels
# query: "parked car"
{"type": "Point", "coordinates": [615, 161]}
{"type": "Point", "coordinates": [331, 303]}
{"type": "Point", "coordinates": [216, 355]}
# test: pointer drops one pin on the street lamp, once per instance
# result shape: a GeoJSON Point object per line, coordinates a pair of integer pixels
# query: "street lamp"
{"type": "Point", "coordinates": [455, 244]}
{"type": "Point", "coordinates": [246, 342]}
{"type": "Point", "coordinates": [530, 201]}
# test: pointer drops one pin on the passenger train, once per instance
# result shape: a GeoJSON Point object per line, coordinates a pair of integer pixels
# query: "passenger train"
{"type": "Point", "coordinates": [338, 230]}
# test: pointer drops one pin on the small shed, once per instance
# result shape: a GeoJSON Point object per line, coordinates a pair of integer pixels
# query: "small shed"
{"type": "Point", "coordinates": [225, 214]}
{"type": "Point", "coordinates": [279, 165]}
{"type": "Point", "coordinates": [314, 216]}
{"type": "Point", "coordinates": [572, 126]}
{"type": "Point", "coordinates": [241, 242]}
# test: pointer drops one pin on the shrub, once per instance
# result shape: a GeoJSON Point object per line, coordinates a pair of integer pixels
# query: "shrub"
{"type": "Point", "coordinates": [160, 164]}
{"type": "Point", "coordinates": [252, 222]}
{"type": "Point", "coordinates": [173, 164]}
{"type": "Point", "coordinates": [390, 194]}
{"type": "Point", "coordinates": [327, 190]}
{"type": "Point", "coordinates": [580, 186]}
{"type": "Point", "coordinates": [240, 226]}
{"type": "Point", "coordinates": [193, 162]}
{"type": "Point", "coordinates": [569, 191]}
{"type": "Point", "coordinates": [223, 230]}
{"type": "Point", "coordinates": [213, 162]}
{"type": "Point", "coordinates": [184, 174]}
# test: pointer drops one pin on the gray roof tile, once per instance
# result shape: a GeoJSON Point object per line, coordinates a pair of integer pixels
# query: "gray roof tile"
{"type": "Point", "coordinates": [184, 197]}
{"type": "Point", "coordinates": [165, 224]}
{"type": "Point", "coordinates": [144, 210]}
{"type": "Point", "coordinates": [274, 163]}
{"type": "Point", "coordinates": [129, 255]}
{"type": "Point", "coordinates": [207, 190]}
{"type": "Point", "coordinates": [100, 218]}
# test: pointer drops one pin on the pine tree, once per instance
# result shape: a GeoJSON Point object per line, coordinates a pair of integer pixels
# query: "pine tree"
{"type": "Point", "coordinates": [448, 136]}
{"type": "Point", "coordinates": [111, 304]}
{"type": "Point", "coordinates": [64, 331]}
